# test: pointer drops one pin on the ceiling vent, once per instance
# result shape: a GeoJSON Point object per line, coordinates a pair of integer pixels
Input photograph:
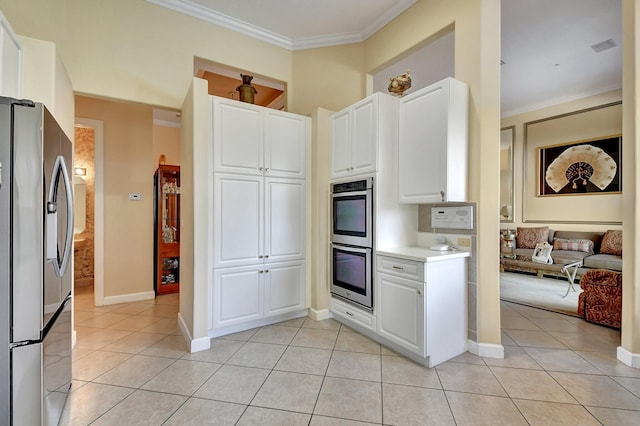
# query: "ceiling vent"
{"type": "Point", "coordinates": [603, 45]}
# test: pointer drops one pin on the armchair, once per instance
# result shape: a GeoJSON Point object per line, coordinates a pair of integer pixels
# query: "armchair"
{"type": "Point", "coordinates": [601, 299]}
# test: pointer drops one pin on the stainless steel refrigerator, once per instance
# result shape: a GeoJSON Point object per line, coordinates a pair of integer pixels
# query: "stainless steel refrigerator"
{"type": "Point", "coordinates": [36, 245]}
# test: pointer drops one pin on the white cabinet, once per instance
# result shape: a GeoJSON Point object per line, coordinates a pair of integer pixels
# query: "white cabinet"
{"type": "Point", "coordinates": [282, 290]}
{"type": "Point", "coordinates": [422, 305]}
{"type": "Point", "coordinates": [237, 295]}
{"type": "Point", "coordinates": [355, 133]}
{"type": "Point", "coordinates": [259, 216]}
{"type": "Point", "coordinates": [10, 61]}
{"type": "Point", "coordinates": [250, 293]}
{"type": "Point", "coordinates": [433, 144]}
{"type": "Point", "coordinates": [257, 220]}
{"type": "Point", "coordinates": [401, 312]}
{"type": "Point", "coordinates": [258, 141]}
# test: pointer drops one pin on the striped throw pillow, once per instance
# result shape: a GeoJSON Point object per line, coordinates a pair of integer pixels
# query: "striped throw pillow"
{"type": "Point", "coordinates": [573, 245]}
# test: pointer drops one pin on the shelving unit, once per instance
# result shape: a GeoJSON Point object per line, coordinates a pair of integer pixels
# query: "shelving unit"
{"type": "Point", "coordinates": [166, 218]}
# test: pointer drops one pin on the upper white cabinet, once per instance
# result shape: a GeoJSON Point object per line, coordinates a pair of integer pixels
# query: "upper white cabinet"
{"type": "Point", "coordinates": [433, 143]}
{"type": "Point", "coordinates": [355, 133]}
{"type": "Point", "coordinates": [259, 141]}
{"type": "Point", "coordinates": [10, 61]}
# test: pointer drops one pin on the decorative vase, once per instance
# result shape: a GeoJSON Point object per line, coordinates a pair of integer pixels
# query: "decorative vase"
{"type": "Point", "coordinates": [246, 90]}
{"type": "Point", "coordinates": [399, 84]}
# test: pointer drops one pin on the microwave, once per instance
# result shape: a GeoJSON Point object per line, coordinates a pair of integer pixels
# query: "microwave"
{"type": "Point", "coordinates": [352, 213]}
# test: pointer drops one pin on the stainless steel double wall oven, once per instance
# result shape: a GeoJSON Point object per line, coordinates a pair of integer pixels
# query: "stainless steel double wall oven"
{"type": "Point", "coordinates": [352, 241]}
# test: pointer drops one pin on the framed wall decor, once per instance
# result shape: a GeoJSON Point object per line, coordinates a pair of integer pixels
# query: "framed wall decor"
{"type": "Point", "coordinates": [557, 155]}
{"type": "Point", "coordinates": [583, 167]}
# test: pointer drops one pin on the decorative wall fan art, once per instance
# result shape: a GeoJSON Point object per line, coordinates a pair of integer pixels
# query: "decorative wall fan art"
{"type": "Point", "coordinates": [581, 167]}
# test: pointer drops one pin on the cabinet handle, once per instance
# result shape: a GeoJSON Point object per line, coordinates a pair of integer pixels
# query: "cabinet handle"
{"type": "Point", "coordinates": [261, 272]}
{"type": "Point", "coordinates": [348, 313]}
{"type": "Point", "coordinates": [442, 195]}
{"type": "Point", "coordinates": [261, 168]}
{"type": "Point", "coordinates": [266, 169]}
{"type": "Point", "coordinates": [419, 292]}
{"type": "Point", "coordinates": [398, 267]}
{"type": "Point", "coordinates": [260, 257]}
{"type": "Point", "coordinates": [266, 256]}
{"type": "Point", "coordinates": [266, 270]}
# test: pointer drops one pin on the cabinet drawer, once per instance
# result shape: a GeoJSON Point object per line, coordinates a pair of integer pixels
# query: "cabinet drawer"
{"type": "Point", "coordinates": [351, 313]}
{"type": "Point", "coordinates": [409, 269]}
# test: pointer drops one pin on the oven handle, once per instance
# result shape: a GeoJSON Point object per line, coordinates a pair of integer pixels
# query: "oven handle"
{"type": "Point", "coordinates": [351, 249]}
{"type": "Point", "coordinates": [351, 194]}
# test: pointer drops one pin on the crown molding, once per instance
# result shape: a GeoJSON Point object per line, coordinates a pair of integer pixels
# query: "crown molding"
{"type": "Point", "coordinates": [196, 11]}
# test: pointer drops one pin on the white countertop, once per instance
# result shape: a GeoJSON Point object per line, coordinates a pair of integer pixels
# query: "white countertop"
{"type": "Point", "coordinates": [422, 254]}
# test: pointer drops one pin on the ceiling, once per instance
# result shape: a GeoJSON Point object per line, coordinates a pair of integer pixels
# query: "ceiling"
{"type": "Point", "coordinates": [546, 44]}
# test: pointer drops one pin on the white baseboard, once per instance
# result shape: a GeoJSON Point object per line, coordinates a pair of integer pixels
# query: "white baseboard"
{"type": "Point", "coordinates": [319, 315]}
{"type": "Point", "coordinates": [629, 358]}
{"type": "Point", "coordinates": [195, 345]}
{"type": "Point", "coordinates": [487, 350]}
{"type": "Point", "coordinates": [74, 339]}
{"type": "Point", "coordinates": [131, 297]}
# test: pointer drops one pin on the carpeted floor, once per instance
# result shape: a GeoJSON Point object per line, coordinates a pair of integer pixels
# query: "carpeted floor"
{"type": "Point", "coordinates": [545, 293]}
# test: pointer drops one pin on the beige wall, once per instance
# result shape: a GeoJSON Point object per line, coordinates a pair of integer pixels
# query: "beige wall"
{"type": "Point", "coordinates": [600, 121]}
{"type": "Point", "coordinates": [166, 141]}
{"type": "Point", "coordinates": [135, 50]}
{"type": "Point", "coordinates": [331, 78]}
{"type": "Point", "coordinates": [128, 225]}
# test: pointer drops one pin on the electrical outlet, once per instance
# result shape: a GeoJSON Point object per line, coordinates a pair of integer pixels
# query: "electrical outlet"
{"type": "Point", "coordinates": [464, 242]}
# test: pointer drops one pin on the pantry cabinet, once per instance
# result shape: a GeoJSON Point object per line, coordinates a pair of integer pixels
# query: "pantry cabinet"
{"type": "Point", "coordinates": [433, 144]}
{"type": "Point", "coordinates": [257, 141]}
{"type": "Point", "coordinates": [355, 133]}
{"type": "Point", "coordinates": [259, 216]}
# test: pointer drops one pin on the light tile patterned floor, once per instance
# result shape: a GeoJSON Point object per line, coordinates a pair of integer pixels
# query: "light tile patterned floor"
{"type": "Point", "coordinates": [131, 366]}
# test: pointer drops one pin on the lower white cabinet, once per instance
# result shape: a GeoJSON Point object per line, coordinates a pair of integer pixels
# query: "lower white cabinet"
{"type": "Point", "coordinates": [249, 293]}
{"type": "Point", "coordinates": [421, 305]}
{"type": "Point", "coordinates": [401, 313]}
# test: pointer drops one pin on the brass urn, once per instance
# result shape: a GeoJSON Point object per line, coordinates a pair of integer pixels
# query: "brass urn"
{"type": "Point", "coordinates": [246, 90]}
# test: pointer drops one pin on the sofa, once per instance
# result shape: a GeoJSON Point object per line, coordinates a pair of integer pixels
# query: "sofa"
{"type": "Point", "coordinates": [601, 299]}
{"type": "Point", "coordinates": [596, 250]}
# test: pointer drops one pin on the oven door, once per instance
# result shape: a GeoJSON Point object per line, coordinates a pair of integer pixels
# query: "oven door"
{"type": "Point", "coordinates": [351, 274]}
{"type": "Point", "coordinates": [352, 218]}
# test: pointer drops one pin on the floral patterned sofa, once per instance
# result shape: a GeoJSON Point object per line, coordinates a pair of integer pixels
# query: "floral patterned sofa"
{"type": "Point", "coordinates": [596, 250]}
{"type": "Point", "coordinates": [601, 299]}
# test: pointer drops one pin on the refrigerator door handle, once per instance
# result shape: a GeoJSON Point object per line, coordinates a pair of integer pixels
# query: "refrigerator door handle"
{"type": "Point", "coordinates": [59, 265]}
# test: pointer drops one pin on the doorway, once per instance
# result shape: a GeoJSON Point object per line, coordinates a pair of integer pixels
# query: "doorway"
{"type": "Point", "coordinates": [89, 220]}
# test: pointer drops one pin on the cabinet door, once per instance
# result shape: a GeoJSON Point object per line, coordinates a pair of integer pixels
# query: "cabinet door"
{"type": "Point", "coordinates": [423, 146]}
{"type": "Point", "coordinates": [284, 288]}
{"type": "Point", "coordinates": [340, 144]}
{"type": "Point", "coordinates": [364, 136]}
{"type": "Point", "coordinates": [237, 295]}
{"type": "Point", "coordinates": [284, 144]}
{"type": "Point", "coordinates": [401, 314]}
{"type": "Point", "coordinates": [237, 137]}
{"type": "Point", "coordinates": [10, 61]}
{"type": "Point", "coordinates": [285, 223]}
{"type": "Point", "coordinates": [238, 208]}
